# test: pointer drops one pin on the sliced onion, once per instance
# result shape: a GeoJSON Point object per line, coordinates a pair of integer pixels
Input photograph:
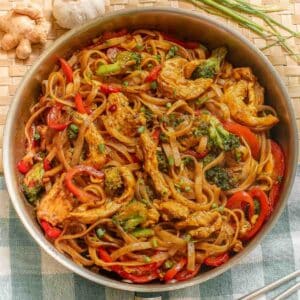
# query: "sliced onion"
{"type": "Point", "coordinates": [130, 248]}
{"type": "Point", "coordinates": [191, 256]}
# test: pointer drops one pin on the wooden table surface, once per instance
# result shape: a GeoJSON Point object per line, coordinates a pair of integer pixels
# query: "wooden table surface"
{"type": "Point", "coordinates": [12, 70]}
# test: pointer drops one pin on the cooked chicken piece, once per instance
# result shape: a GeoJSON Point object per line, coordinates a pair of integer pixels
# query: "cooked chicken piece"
{"type": "Point", "coordinates": [243, 73]}
{"type": "Point", "coordinates": [55, 206]}
{"type": "Point", "coordinates": [122, 121]}
{"type": "Point", "coordinates": [151, 165]}
{"type": "Point", "coordinates": [202, 223]}
{"type": "Point", "coordinates": [199, 218]}
{"type": "Point", "coordinates": [129, 183]}
{"type": "Point", "coordinates": [94, 139]}
{"type": "Point", "coordinates": [173, 84]}
{"type": "Point", "coordinates": [92, 215]}
{"type": "Point", "coordinates": [205, 232]}
{"type": "Point", "coordinates": [243, 113]}
{"type": "Point", "coordinates": [174, 210]}
{"type": "Point", "coordinates": [152, 217]}
{"type": "Point", "coordinates": [255, 93]}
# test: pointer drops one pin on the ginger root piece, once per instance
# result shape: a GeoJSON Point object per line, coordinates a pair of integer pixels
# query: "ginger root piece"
{"type": "Point", "coordinates": [23, 26]}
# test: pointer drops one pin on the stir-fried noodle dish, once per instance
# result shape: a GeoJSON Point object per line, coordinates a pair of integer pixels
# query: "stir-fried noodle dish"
{"type": "Point", "coordinates": [149, 158]}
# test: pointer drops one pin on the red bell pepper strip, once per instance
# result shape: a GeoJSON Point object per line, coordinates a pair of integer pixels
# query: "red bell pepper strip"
{"type": "Point", "coordinates": [79, 104]}
{"type": "Point", "coordinates": [246, 133]}
{"type": "Point", "coordinates": [113, 34]}
{"type": "Point", "coordinates": [47, 164]}
{"type": "Point", "coordinates": [153, 74]}
{"type": "Point", "coordinates": [53, 117]}
{"type": "Point", "coordinates": [24, 166]}
{"type": "Point", "coordinates": [156, 134]}
{"type": "Point", "coordinates": [171, 273]}
{"type": "Point", "coordinates": [109, 89]}
{"type": "Point", "coordinates": [187, 45]}
{"type": "Point", "coordinates": [239, 199]}
{"type": "Point", "coordinates": [66, 69]}
{"type": "Point", "coordinates": [196, 154]}
{"type": "Point", "coordinates": [134, 158]}
{"type": "Point", "coordinates": [186, 274]}
{"type": "Point", "coordinates": [264, 212]}
{"type": "Point", "coordinates": [82, 195]}
{"type": "Point", "coordinates": [216, 261]}
{"type": "Point", "coordinates": [278, 173]}
{"type": "Point", "coordinates": [139, 279]}
{"type": "Point", "coordinates": [104, 255]}
{"type": "Point", "coordinates": [50, 231]}
{"type": "Point", "coordinates": [147, 273]}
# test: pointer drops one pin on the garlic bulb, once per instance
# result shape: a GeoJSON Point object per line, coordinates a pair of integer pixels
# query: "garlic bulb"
{"type": "Point", "coordinates": [70, 13]}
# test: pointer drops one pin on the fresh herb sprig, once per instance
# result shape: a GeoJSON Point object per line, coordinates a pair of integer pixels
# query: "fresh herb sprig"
{"type": "Point", "coordinates": [240, 10]}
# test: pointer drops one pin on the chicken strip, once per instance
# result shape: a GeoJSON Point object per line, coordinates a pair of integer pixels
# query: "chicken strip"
{"type": "Point", "coordinates": [94, 139]}
{"type": "Point", "coordinates": [92, 215]}
{"type": "Point", "coordinates": [151, 165]}
{"type": "Point", "coordinates": [56, 205]}
{"type": "Point", "coordinates": [121, 120]}
{"type": "Point", "coordinates": [174, 210]}
{"type": "Point", "coordinates": [173, 84]}
{"type": "Point", "coordinates": [202, 223]}
{"type": "Point", "coordinates": [243, 113]}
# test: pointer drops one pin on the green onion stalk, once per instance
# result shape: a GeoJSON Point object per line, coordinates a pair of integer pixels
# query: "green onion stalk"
{"type": "Point", "coordinates": [240, 10]}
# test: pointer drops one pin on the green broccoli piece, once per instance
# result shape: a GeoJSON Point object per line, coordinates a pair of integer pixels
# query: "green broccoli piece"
{"type": "Point", "coordinates": [172, 120]}
{"type": "Point", "coordinates": [33, 182]}
{"type": "Point", "coordinates": [136, 57]}
{"type": "Point", "coordinates": [187, 161]}
{"type": "Point", "coordinates": [211, 66]}
{"type": "Point", "coordinates": [132, 215]}
{"type": "Point", "coordinates": [221, 138]}
{"type": "Point", "coordinates": [220, 177]}
{"type": "Point", "coordinates": [201, 129]}
{"type": "Point", "coordinates": [113, 181]}
{"type": "Point", "coordinates": [172, 52]}
{"type": "Point", "coordinates": [148, 114]}
{"type": "Point", "coordinates": [121, 60]}
{"type": "Point", "coordinates": [163, 164]}
{"type": "Point", "coordinates": [208, 159]}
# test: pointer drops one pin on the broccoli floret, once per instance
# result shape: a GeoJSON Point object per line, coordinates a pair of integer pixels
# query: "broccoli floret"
{"type": "Point", "coordinates": [171, 120]}
{"type": "Point", "coordinates": [32, 183]}
{"type": "Point", "coordinates": [113, 181]}
{"type": "Point", "coordinates": [211, 66]}
{"type": "Point", "coordinates": [120, 63]}
{"type": "Point", "coordinates": [136, 57]}
{"type": "Point", "coordinates": [220, 177]}
{"type": "Point", "coordinates": [172, 52]}
{"type": "Point", "coordinates": [201, 129]}
{"type": "Point", "coordinates": [163, 164]}
{"type": "Point", "coordinates": [132, 215]}
{"type": "Point", "coordinates": [221, 138]}
{"type": "Point", "coordinates": [208, 159]}
{"type": "Point", "coordinates": [148, 114]}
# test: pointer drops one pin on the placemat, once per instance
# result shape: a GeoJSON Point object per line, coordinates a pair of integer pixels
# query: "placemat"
{"type": "Point", "coordinates": [12, 70]}
{"type": "Point", "coordinates": [28, 273]}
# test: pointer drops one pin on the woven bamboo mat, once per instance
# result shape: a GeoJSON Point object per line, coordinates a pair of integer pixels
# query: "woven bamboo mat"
{"type": "Point", "coordinates": [12, 70]}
